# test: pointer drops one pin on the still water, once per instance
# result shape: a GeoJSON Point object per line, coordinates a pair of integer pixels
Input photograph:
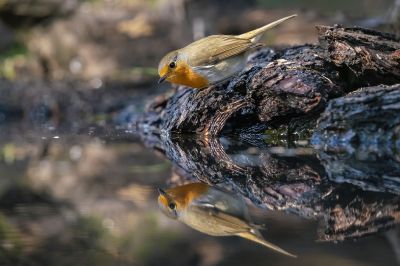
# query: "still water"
{"type": "Point", "coordinates": [90, 198]}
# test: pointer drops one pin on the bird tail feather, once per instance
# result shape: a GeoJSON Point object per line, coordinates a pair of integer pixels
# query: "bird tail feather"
{"type": "Point", "coordinates": [255, 34]}
{"type": "Point", "coordinates": [255, 236]}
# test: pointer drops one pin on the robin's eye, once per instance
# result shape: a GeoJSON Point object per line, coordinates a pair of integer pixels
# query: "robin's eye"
{"type": "Point", "coordinates": [172, 206]}
{"type": "Point", "coordinates": [172, 65]}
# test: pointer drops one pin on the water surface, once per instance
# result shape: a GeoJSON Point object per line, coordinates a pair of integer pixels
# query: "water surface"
{"type": "Point", "coordinates": [90, 198]}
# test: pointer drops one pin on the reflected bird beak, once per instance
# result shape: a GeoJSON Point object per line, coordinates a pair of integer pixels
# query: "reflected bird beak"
{"type": "Point", "coordinates": [162, 79]}
{"type": "Point", "coordinates": [162, 192]}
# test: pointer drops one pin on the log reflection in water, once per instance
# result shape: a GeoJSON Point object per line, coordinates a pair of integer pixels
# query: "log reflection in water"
{"type": "Point", "coordinates": [296, 181]}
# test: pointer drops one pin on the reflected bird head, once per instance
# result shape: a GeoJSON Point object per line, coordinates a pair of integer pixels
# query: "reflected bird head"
{"type": "Point", "coordinates": [167, 205]}
{"type": "Point", "coordinates": [175, 200]}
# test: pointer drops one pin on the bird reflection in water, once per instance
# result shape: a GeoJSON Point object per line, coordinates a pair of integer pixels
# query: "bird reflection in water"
{"type": "Point", "coordinates": [212, 211]}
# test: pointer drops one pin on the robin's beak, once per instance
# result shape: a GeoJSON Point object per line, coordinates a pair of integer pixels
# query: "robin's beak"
{"type": "Point", "coordinates": [162, 79]}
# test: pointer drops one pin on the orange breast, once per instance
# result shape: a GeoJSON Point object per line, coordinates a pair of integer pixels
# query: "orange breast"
{"type": "Point", "coordinates": [183, 195]}
{"type": "Point", "coordinates": [184, 75]}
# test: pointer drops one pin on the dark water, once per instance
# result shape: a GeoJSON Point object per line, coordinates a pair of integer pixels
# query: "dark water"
{"type": "Point", "coordinates": [89, 198]}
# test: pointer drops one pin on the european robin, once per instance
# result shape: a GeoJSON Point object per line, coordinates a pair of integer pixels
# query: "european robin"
{"type": "Point", "coordinates": [211, 60]}
{"type": "Point", "coordinates": [212, 211]}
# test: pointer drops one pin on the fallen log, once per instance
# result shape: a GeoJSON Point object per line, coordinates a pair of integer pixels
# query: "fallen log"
{"type": "Point", "coordinates": [279, 87]}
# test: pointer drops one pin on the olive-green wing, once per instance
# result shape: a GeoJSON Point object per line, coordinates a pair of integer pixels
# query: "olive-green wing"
{"type": "Point", "coordinates": [226, 222]}
{"type": "Point", "coordinates": [215, 48]}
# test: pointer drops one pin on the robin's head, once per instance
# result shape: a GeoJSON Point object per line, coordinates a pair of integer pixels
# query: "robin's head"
{"type": "Point", "coordinates": [174, 68]}
{"type": "Point", "coordinates": [168, 66]}
{"type": "Point", "coordinates": [167, 204]}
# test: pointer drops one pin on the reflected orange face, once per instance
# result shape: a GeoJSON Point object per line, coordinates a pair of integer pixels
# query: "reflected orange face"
{"type": "Point", "coordinates": [163, 200]}
{"type": "Point", "coordinates": [182, 196]}
{"type": "Point", "coordinates": [183, 74]}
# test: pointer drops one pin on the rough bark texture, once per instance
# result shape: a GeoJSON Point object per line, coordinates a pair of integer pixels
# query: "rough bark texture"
{"type": "Point", "coordinates": [364, 57]}
{"type": "Point", "coordinates": [278, 87]}
{"type": "Point", "coordinates": [369, 116]}
{"type": "Point", "coordinates": [365, 125]}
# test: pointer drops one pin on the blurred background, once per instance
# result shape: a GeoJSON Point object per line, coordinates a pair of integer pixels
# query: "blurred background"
{"type": "Point", "coordinates": [97, 40]}
{"type": "Point", "coordinates": [80, 195]}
